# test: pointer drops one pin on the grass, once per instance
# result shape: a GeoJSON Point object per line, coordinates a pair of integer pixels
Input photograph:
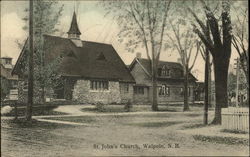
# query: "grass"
{"type": "Point", "coordinates": [155, 124]}
{"type": "Point", "coordinates": [234, 131]}
{"type": "Point", "coordinates": [135, 108]}
{"type": "Point", "coordinates": [36, 111]}
{"type": "Point", "coordinates": [222, 140]}
{"type": "Point", "coordinates": [33, 124]}
{"type": "Point", "coordinates": [116, 108]}
{"type": "Point", "coordinates": [76, 119]}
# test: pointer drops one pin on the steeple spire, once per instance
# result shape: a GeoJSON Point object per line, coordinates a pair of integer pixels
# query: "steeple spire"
{"type": "Point", "coordinates": [74, 32]}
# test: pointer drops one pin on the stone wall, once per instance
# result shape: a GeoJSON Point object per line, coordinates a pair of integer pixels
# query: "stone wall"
{"type": "Point", "coordinates": [83, 94]}
{"type": "Point", "coordinates": [126, 95]}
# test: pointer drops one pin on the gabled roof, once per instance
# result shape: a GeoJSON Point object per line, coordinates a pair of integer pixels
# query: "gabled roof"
{"type": "Point", "coordinates": [74, 26]}
{"type": "Point", "coordinates": [6, 73]}
{"type": "Point", "coordinates": [145, 63]}
{"type": "Point", "coordinates": [83, 61]}
{"type": "Point", "coordinates": [200, 86]}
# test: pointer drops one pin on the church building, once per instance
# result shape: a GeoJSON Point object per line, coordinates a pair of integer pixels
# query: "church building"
{"type": "Point", "coordinates": [92, 72]}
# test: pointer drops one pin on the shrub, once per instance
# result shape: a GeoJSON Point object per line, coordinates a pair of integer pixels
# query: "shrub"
{"type": "Point", "coordinates": [128, 106]}
{"type": "Point", "coordinates": [100, 107]}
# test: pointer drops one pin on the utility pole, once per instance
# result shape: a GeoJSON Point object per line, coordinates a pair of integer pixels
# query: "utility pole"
{"type": "Point", "coordinates": [237, 82]}
{"type": "Point", "coordinates": [30, 76]}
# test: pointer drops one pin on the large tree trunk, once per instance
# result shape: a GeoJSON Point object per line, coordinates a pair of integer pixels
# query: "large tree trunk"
{"type": "Point", "coordinates": [154, 86]}
{"type": "Point", "coordinates": [221, 65]}
{"type": "Point", "coordinates": [186, 105]}
{"type": "Point", "coordinates": [154, 101]}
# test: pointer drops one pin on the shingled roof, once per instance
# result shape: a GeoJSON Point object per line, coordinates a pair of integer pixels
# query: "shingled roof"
{"type": "Point", "coordinates": [91, 61]}
{"type": "Point", "coordinates": [169, 65]}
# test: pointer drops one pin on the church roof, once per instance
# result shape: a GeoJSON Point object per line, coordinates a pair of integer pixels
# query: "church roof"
{"type": "Point", "coordinates": [91, 61]}
{"type": "Point", "coordinates": [74, 26]}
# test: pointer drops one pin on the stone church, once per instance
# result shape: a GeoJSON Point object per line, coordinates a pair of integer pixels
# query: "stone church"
{"type": "Point", "coordinates": [92, 72]}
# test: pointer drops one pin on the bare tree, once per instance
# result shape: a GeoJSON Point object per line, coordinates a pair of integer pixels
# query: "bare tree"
{"type": "Point", "coordinates": [240, 39]}
{"type": "Point", "coordinates": [208, 70]}
{"type": "Point", "coordinates": [219, 45]}
{"type": "Point", "coordinates": [183, 40]}
{"type": "Point", "coordinates": [143, 23]}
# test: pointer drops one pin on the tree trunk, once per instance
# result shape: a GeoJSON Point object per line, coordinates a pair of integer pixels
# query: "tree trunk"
{"type": "Point", "coordinates": [209, 86]}
{"type": "Point", "coordinates": [154, 101]}
{"type": "Point", "coordinates": [206, 103]}
{"type": "Point", "coordinates": [221, 65]}
{"type": "Point", "coordinates": [154, 86]}
{"type": "Point", "coordinates": [186, 105]}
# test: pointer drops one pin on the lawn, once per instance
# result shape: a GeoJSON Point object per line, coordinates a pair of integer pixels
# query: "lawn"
{"type": "Point", "coordinates": [36, 111]}
{"type": "Point", "coordinates": [114, 129]}
{"type": "Point", "coordinates": [136, 108]}
{"type": "Point", "coordinates": [76, 119]}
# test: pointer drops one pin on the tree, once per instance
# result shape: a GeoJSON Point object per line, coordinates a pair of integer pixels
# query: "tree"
{"type": "Point", "coordinates": [184, 41]}
{"type": "Point", "coordinates": [240, 38]}
{"type": "Point", "coordinates": [207, 101]}
{"type": "Point", "coordinates": [208, 77]}
{"type": "Point", "coordinates": [220, 48]}
{"type": "Point", "coordinates": [143, 24]}
{"type": "Point", "coordinates": [45, 21]}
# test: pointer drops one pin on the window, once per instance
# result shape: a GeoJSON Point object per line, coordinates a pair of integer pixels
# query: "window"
{"type": "Point", "coordinates": [99, 85]}
{"type": "Point", "coordinates": [181, 91]}
{"type": "Point", "coordinates": [124, 88]}
{"type": "Point", "coordinates": [165, 71]}
{"type": "Point", "coordinates": [159, 71]}
{"type": "Point", "coordinates": [71, 54]}
{"type": "Point", "coordinates": [167, 91]}
{"type": "Point", "coordinates": [164, 91]}
{"type": "Point", "coordinates": [139, 90]}
{"type": "Point", "coordinates": [101, 57]}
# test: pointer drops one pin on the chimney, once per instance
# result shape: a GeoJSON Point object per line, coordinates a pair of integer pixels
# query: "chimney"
{"type": "Point", "coordinates": [138, 55]}
{"type": "Point", "coordinates": [179, 61]}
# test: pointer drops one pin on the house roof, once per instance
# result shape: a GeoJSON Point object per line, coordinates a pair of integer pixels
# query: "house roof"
{"type": "Point", "coordinates": [91, 61]}
{"type": "Point", "coordinates": [145, 63]}
{"type": "Point", "coordinates": [200, 86]}
{"type": "Point", "coordinates": [6, 73]}
{"type": "Point", "coordinates": [74, 26]}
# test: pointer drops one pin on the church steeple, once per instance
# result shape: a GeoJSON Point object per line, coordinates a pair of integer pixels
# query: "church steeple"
{"type": "Point", "coordinates": [74, 32]}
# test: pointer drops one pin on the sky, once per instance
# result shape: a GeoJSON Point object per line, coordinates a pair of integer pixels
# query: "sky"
{"type": "Point", "coordinates": [93, 25]}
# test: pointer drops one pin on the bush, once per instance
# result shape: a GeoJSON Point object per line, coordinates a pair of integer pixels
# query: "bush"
{"type": "Point", "coordinates": [128, 106]}
{"type": "Point", "coordinates": [100, 107]}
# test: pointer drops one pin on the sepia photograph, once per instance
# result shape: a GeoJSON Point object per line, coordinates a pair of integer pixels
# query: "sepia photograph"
{"type": "Point", "coordinates": [86, 78]}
